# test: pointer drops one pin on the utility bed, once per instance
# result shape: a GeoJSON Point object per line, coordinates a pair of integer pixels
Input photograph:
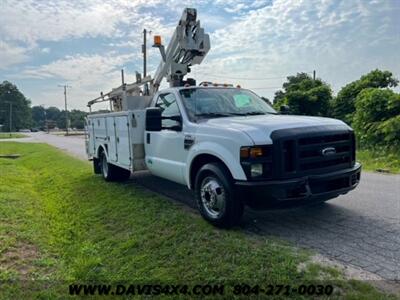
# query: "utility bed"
{"type": "Point", "coordinates": [122, 134]}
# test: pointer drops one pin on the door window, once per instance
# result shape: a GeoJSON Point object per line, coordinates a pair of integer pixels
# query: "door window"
{"type": "Point", "coordinates": [169, 108]}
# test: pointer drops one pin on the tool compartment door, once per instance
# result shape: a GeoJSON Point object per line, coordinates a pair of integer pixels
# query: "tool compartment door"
{"type": "Point", "coordinates": [99, 131]}
{"type": "Point", "coordinates": [89, 138]}
{"type": "Point", "coordinates": [112, 147]}
{"type": "Point", "coordinates": [122, 138]}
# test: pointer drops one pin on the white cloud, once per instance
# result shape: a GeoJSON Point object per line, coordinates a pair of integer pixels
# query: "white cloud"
{"type": "Point", "coordinates": [80, 68]}
{"type": "Point", "coordinates": [254, 39]}
{"type": "Point", "coordinates": [87, 74]}
{"type": "Point", "coordinates": [29, 21]}
{"type": "Point", "coordinates": [236, 8]}
{"type": "Point", "coordinates": [341, 40]}
{"type": "Point", "coordinates": [11, 54]}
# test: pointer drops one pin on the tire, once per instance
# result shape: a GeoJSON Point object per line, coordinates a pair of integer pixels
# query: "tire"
{"type": "Point", "coordinates": [215, 196]}
{"type": "Point", "coordinates": [96, 166]}
{"type": "Point", "coordinates": [111, 172]}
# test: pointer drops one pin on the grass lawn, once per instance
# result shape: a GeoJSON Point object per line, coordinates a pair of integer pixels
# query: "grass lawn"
{"type": "Point", "coordinates": [6, 135]}
{"type": "Point", "coordinates": [60, 224]}
{"type": "Point", "coordinates": [383, 160]}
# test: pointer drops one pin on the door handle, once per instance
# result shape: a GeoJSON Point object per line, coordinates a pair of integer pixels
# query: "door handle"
{"type": "Point", "coordinates": [188, 141]}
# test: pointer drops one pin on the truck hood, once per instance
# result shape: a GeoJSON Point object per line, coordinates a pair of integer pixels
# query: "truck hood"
{"type": "Point", "coordinates": [259, 128]}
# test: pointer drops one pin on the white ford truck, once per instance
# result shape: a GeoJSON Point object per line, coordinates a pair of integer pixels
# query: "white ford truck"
{"type": "Point", "coordinates": [223, 142]}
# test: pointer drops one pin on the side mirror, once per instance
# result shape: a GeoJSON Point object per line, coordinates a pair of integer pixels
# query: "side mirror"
{"type": "Point", "coordinates": [153, 119]}
{"type": "Point", "coordinates": [285, 109]}
{"type": "Point", "coordinates": [174, 118]}
{"type": "Point", "coordinates": [177, 119]}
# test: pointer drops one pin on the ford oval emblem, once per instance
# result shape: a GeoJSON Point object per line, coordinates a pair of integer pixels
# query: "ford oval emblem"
{"type": "Point", "coordinates": [328, 151]}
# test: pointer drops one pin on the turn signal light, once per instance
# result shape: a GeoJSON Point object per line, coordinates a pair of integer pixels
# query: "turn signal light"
{"type": "Point", "coordinates": [256, 152]}
{"type": "Point", "coordinates": [244, 152]}
{"type": "Point", "coordinates": [252, 152]}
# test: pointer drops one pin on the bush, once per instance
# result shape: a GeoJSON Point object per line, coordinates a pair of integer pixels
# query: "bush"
{"type": "Point", "coordinates": [304, 96]}
{"type": "Point", "coordinates": [343, 106]}
{"type": "Point", "coordinates": [377, 118]}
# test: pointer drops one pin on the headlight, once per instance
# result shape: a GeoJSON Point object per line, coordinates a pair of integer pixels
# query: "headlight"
{"type": "Point", "coordinates": [256, 161]}
{"type": "Point", "coordinates": [256, 170]}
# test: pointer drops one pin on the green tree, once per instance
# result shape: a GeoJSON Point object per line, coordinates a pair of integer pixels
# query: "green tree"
{"type": "Point", "coordinates": [57, 117]}
{"type": "Point", "coordinates": [38, 116]}
{"type": "Point", "coordinates": [304, 95]}
{"type": "Point", "coordinates": [343, 106]}
{"type": "Point", "coordinates": [77, 118]}
{"type": "Point", "coordinates": [20, 112]}
{"type": "Point", "coordinates": [61, 120]}
{"type": "Point", "coordinates": [377, 118]}
{"type": "Point", "coordinates": [53, 114]}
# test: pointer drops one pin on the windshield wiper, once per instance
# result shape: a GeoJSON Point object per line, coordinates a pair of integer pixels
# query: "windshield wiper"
{"type": "Point", "coordinates": [229, 114]}
{"type": "Point", "coordinates": [255, 113]}
{"type": "Point", "coordinates": [213, 115]}
{"type": "Point", "coordinates": [251, 113]}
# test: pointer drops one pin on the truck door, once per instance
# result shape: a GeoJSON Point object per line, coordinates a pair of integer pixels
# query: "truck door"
{"type": "Point", "coordinates": [165, 153]}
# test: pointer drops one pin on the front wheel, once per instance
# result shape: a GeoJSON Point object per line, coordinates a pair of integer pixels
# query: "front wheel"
{"type": "Point", "coordinates": [215, 197]}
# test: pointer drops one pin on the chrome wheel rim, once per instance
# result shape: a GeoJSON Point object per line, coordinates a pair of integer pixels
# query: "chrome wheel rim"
{"type": "Point", "coordinates": [104, 165]}
{"type": "Point", "coordinates": [213, 197]}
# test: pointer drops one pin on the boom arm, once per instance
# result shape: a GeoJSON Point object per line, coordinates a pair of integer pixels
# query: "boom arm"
{"type": "Point", "coordinates": [188, 46]}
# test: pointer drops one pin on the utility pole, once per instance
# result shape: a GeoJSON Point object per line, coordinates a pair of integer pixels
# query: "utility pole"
{"type": "Point", "coordinates": [144, 50]}
{"type": "Point", "coordinates": [10, 103]}
{"type": "Point", "coordinates": [66, 108]}
{"type": "Point", "coordinates": [10, 116]}
{"type": "Point", "coordinates": [314, 73]}
{"type": "Point", "coordinates": [45, 118]}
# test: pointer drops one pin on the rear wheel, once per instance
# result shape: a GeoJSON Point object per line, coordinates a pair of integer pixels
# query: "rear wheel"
{"type": "Point", "coordinates": [96, 166]}
{"type": "Point", "coordinates": [215, 197]}
{"type": "Point", "coordinates": [111, 172]}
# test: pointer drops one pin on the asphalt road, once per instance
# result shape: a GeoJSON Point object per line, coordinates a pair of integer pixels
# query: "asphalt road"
{"type": "Point", "coordinates": [361, 228]}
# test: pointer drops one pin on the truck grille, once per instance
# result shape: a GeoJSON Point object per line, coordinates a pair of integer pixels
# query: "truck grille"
{"type": "Point", "coordinates": [312, 151]}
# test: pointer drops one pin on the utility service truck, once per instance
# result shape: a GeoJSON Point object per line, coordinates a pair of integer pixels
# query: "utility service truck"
{"type": "Point", "coordinates": [224, 142]}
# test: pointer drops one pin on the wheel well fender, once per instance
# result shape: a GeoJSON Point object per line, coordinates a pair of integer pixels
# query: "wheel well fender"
{"type": "Point", "coordinates": [204, 158]}
{"type": "Point", "coordinates": [101, 148]}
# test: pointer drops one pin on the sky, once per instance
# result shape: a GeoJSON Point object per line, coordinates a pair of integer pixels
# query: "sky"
{"type": "Point", "coordinates": [85, 44]}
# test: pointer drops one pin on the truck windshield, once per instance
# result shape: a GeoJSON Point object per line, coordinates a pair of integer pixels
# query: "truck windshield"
{"type": "Point", "coordinates": [207, 103]}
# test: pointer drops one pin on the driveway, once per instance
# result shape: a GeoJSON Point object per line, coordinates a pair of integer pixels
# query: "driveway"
{"type": "Point", "coordinates": [360, 229]}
